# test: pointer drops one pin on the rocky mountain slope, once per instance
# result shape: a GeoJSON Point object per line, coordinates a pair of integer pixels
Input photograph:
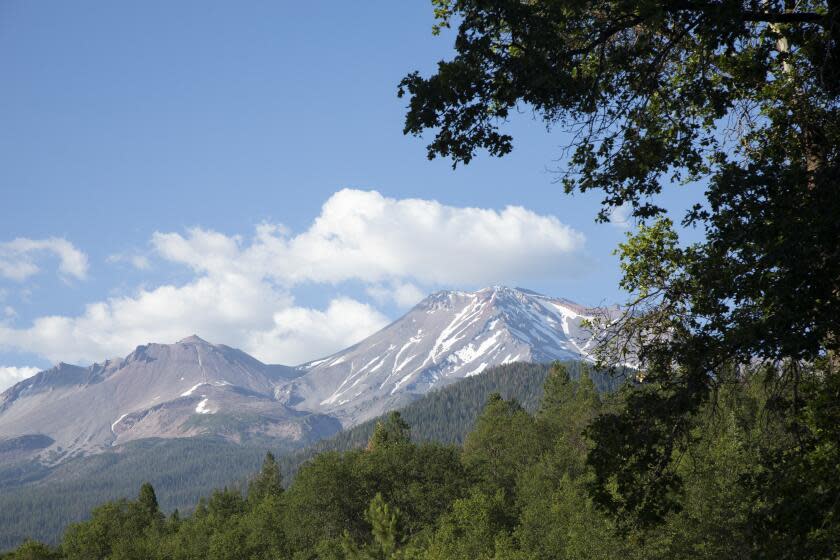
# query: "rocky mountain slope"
{"type": "Point", "coordinates": [184, 389]}
{"type": "Point", "coordinates": [194, 388]}
{"type": "Point", "coordinates": [448, 336]}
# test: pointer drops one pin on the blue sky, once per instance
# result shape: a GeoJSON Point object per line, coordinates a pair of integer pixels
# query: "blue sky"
{"type": "Point", "coordinates": [144, 145]}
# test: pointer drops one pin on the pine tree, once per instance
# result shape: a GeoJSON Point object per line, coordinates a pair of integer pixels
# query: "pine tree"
{"type": "Point", "coordinates": [392, 431]}
{"type": "Point", "coordinates": [145, 511]}
{"type": "Point", "coordinates": [269, 481]}
{"type": "Point", "coordinates": [383, 521]}
{"type": "Point", "coordinates": [566, 411]}
{"type": "Point", "coordinates": [558, 392]}
{"type": "Point", "coordinates": [505, 439]}
{"type": "Point", "coordinates": [148, 500]}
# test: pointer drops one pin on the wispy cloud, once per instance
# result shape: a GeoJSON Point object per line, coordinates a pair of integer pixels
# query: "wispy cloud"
{"type": "Point", "coordinates": [140, 262]}
{"type": "Point", "coordinates": [19, 258]}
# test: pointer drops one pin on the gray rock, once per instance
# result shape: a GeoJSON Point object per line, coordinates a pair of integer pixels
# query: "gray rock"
{"type": "Point", "coordinates": [184, 389]}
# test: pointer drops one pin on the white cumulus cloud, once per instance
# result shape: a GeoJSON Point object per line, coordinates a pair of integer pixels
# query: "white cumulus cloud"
{"type": "Point", "coordinates": [301, 334]}
{"type": "Point", "coordinates": [18, 257]}
{"type": "Point", "coordinates": [365, 236]}
{"type": "Point", "coordinates": [404, 294]}
{"type": "Point", "coordinates": [241, 292]}
{"type": "Point", "coordinates": [232, 308]}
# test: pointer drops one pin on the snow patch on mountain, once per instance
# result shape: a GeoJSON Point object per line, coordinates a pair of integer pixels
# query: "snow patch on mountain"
{"type": "Point", "coordinates": [117, 421]}
{"type": "Point", "coordinates": [192, 389]}
{"type": "Point", "coordinates": [202, 407]}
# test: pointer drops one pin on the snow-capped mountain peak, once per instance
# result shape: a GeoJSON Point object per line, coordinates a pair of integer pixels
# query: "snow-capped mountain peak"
{"type": "Point", "coordinates": [447, 336]}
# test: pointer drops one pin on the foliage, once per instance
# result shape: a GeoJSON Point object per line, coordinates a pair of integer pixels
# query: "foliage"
{"type": "Point", "coordinates": [269, 481]}
{"type": "Point", "coordinates": [797, 488]}
{"type": "Point", "coordinates": [391, 431]}
{"type": "Point", "coordinates": [33, 550]}
{"type": "Point", "coordinates": [739, 99]}
{"type": "Point", "coordinates": [504, 441]}
{"type": "Point", "coordinates": [383, 523]}
{"type": "Point", "coordinates": [516, 490]}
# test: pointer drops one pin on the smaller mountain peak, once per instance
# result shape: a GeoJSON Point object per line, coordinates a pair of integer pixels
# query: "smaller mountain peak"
{"type": "Point", "coordinates": [498, 289]}
{"type": "Point", "coordinates": [193, 339]}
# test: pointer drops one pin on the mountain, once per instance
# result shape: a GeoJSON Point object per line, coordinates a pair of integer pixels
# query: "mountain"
{"type": "Point", "coordinates": [448, 336]}
{"type": "Point", "coordinates": [194, 388]}
{"type": "Point", "coordinates": [183, 470]}
{"type": "Point", "coordinates": [184, 389]}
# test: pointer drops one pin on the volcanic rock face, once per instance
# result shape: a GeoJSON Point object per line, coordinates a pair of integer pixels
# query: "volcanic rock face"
{"type": "Point", "coordinates": [448, 336]}
{"type": "Point", "coordinates": [159, 390]}
{"type": "Point", "coordinates": [194, 388]}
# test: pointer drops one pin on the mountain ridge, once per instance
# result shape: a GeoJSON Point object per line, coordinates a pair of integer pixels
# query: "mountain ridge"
{"type": "Point", "coordinates": [447, 336]}
{"type": "Point", "coordinates": [158, 390]}
{"type": "Point", "coordinates": [193, 387]}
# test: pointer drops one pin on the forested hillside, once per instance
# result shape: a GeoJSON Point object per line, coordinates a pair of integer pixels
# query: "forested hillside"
{"type": "Point", "coordinates": [516, 489]}
{"type": "Point", "coordinates": [182, 470]}
{"type": "Point", "coordinates": [446, 416]}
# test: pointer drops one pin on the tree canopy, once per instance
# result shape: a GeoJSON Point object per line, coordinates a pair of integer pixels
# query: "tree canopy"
{"type": "Point", "coordinates": [516, 490]}
{"type": "Point", "coordinates": [737, 98]}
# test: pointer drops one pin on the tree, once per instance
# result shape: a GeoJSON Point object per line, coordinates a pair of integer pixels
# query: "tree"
{"type": "Point", "coordinates": [269, 481]}
{"type": "Point", "coordinates": [115, 530]}
{"type": "Point", "coordinates": [118, 530]}
{"type": "Point", "coordinates": [797, 491]}
{"type": "Point", "coordinates": [265, 535]}
{"type": "Point", "coordinates": [320, 506]}
{"type": "Point", "coordinates": [566, 410]}
{"type": "Point", "coordinates": [33, 550]}
{"type": "Point", "coordinates": [504, 441]}
{"type": "Point", "coordinates": [567, 407]}
{"type": "Point", "coordinates": [383, 522]}
{"type": "Point", "coordinates": [392, 431]}
{"type": "Point", "coordinates": [740, 98]}
{"type": "Point", "coordinates": [473, 527]}
{"type": "Point", "coordinates": [558, 392]}
{"type": "Point", "coordinates": [559, 520]}
{"type": "Point", "coordinates": [421, 481]}
{"type": "Point", "coordinates": [556, 517]}
{"type": "Point", "coordinates": [147, 509]}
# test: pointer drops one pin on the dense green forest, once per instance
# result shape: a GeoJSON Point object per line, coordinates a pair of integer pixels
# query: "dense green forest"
{"type": "Point", "coordinates": [447, 415]}
{"type": "Point", "coordinates": [183, 470]}
{"type": "Point", "coordinates": [517, 488]}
